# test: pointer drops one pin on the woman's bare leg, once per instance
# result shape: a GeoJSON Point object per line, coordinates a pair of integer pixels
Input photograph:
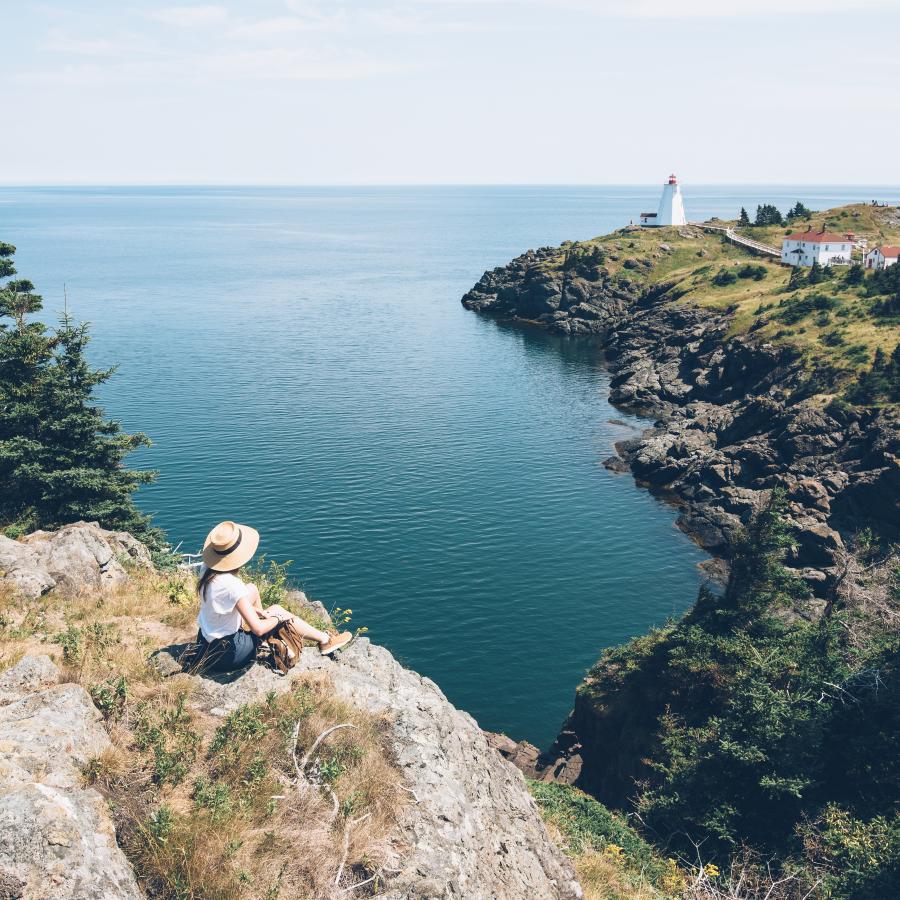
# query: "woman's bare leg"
{"type": "Point", "coordinates": [306, 630]}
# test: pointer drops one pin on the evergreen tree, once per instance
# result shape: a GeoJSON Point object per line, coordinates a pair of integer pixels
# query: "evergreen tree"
{"type": "Point", "coordinates": [61, 460]}
{"type": "Point", "coordinates": [856, 274]}
{"type": "Point", "coordinates": [744, 220]}
{"type": "Point", "coordinates": [767, 214]}
{"type": "Point", "coordinates": [797, 279]}
{"type": "Point", "coordinates": [816, 273]}
{"type": "Point", "coordinates": [799, 211]}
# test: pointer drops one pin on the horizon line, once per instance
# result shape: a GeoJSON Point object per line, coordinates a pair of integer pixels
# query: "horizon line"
{"type": "Point", "coordinates": [431, 184]}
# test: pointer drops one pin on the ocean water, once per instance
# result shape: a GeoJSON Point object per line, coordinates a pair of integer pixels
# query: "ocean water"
{"type": "Point", "coordinates": [300, 358]}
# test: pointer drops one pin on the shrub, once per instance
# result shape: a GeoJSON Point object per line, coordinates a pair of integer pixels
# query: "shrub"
{"type": "Point", "coordinates": [724, 277]}
{"type": "Point", "coordinates": [757, 273]}
{"type": "Point", "coordinates": [755, 720]}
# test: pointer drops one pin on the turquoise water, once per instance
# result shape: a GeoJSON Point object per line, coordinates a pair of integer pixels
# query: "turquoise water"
{"type": "Point", "coordinates": [302, 362]}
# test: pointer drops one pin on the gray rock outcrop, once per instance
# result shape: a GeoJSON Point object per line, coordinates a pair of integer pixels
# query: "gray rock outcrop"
{"type": "Point", "coordinates": [81, 556]}
{"type": "Point", "coordinates": [471, 829]}
{"type": "Point", "coordinates": [57, 839]}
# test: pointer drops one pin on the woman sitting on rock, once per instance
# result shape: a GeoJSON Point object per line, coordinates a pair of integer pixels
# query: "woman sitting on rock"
{"type": "Point", "coordinates": [232, 621]}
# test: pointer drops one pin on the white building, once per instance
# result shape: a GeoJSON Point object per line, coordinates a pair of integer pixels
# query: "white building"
{"type": "Point", "coordinates": [671, 207]}
{"type": "Point", "coordinates": [882, 257]}
{"type": "Point", "coordinates": [803, 248]}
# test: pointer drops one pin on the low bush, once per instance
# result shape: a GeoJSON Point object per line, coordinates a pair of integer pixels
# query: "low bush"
{"type": "Point", "coordinates": [761, 720]}
{"type": "Point", "coordinates": [757, 273]}
{"type": "Point", "coordinates": [724, 277]}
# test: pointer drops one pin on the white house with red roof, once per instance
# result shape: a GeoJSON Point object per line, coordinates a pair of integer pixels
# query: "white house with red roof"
{"type": "Point", "coordinates": [827, 248]}
{"type": "Point", "coordinates": [882, 257]}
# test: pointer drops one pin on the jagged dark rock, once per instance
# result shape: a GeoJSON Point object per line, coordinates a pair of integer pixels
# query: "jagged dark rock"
{"type": "Point", "coordinates": [728, 428]}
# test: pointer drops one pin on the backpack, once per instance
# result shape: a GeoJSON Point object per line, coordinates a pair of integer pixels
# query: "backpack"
{"type": "Point", "coordinates": [286, 645]}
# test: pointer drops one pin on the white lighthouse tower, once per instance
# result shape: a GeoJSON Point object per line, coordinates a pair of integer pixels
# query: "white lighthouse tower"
{"type": "Point", "coordinates": [671, 207]}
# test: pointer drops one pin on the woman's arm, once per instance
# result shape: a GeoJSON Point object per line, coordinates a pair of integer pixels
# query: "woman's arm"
{"type": "Point", "coordinates": [259, 623]}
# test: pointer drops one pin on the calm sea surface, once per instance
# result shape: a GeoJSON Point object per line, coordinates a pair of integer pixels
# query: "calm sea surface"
{"type": "Point", "coordinates": [301, 360]}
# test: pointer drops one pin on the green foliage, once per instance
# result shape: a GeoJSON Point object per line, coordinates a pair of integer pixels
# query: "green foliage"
{"type": "Point", "coordinates": [880, 383]}
{"type": "Point", "coordinates": [885, 283]}
{"type": "Point", "coordinates": [160, 824]}
{"type": "Point", "coordinates": [588, 825]}
{"type": "Point", "coordinates": [724, 277]}
{"type": "Point", "coordinates": [767, 214]}
{"type": "Point", "coordinates": [743, 219]}
{"type": "Point", "coordinates": [272, 579]}
{"type": "Point", "coordinates": [798, 211]}
{"type": "Point", "coordinates": [792, 310]}
{"type": "Point", "coordinates": [79, 643]}
{"type": "Point", "coordinates": [168, 735]}
{"type": "Point", "coordinates": [858, 859]}
{"type": "Point", "coordinates": [111, 696]}
{"type": "Point", "coordinates": [61, 460]}
{"type": "Point", "coordinates": [759, 720]}
{"type": "Point", "coordinates": [817, 274]}
{"type": "Point", "coordinates": [244, 723]}
{"type": "Point", "coordinates": [855, 274]}
{"type": "Point", "coordinates": [757, 273]}
{"type": "Point", "coordinates": [797, 279]}
{"type": "Point", "coordinates": [214, 797]}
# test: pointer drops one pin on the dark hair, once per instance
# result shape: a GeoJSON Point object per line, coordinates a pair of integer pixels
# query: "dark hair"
{"type": "Point", "coordinates": [204, 580]}
{"type": "Point", "coordinates": [208, 576]}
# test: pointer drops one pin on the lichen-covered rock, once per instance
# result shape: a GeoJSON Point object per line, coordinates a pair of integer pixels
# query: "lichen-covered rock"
{"type": "Point", "coordinates": [77, 557]}
{"type": "Point", "coordinates": [57, 839]}
{"type": "Point", "coordinates": [471, 829]}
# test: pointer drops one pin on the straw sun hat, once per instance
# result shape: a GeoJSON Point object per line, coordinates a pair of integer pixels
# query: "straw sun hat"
{"type": "Point", "coordinates": [229, 546]}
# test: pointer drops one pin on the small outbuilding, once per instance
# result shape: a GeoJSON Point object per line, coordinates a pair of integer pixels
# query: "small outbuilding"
{"type": "Point", "coordinates": [827, 248]}
{"type": "Point", "coordinates": [882, 257]}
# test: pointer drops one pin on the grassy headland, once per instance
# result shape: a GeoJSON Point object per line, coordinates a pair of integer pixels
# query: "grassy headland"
{"type": "Point", "coordinates": [837, 319]}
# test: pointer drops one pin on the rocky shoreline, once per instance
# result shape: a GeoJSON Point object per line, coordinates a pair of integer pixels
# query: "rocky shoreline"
{"type": "Point", "coordinates": [732, 422]}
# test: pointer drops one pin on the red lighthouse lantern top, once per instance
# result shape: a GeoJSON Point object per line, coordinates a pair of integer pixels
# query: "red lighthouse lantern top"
{"type": "Point", "coordinates": [673, 179]}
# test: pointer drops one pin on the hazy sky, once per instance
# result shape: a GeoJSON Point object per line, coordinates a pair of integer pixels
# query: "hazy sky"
{"type": "Point", "coordinates": [450, 91]}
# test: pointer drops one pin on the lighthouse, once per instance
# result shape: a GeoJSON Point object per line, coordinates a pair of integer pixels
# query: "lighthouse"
{"type": "Point", "coordinates": [671, 207]}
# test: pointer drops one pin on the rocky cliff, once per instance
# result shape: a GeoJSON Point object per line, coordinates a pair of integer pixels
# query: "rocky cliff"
{"type": "Point", "coordinates": [735, 418]}
{"type": "Point", "coordinates": [732, 419]}
{"type": "Point", "coordinates": [468, 828]}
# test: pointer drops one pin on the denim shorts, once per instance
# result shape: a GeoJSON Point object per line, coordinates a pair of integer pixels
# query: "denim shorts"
{"type": "Point", "coordinates": [229, 653]}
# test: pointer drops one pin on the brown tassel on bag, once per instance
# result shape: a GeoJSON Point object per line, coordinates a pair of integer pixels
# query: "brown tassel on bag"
{"type": "Point", "coordinates": [286, 646]}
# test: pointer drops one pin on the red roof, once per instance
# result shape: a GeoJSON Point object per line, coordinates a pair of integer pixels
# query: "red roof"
{"type": "Point", "coordinates": [889, 252]}
{"type": "Point", "coordinates": [819, 237]}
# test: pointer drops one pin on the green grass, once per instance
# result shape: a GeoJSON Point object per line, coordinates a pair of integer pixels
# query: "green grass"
{"type": "Point", "coordinates": [611, 858]}
{"type": "Point", "coordinates": [840, 337]}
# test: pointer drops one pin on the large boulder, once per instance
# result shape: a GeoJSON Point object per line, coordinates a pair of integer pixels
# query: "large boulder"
{"type": "Point", "coordinates": [57, 839]}
{"type": "Point", "coordinates": [77, 557]}
{"type": "Point", "coordinates": [472, 829]}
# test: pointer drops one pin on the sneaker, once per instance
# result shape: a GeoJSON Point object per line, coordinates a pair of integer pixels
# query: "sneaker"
{"type": "Point", "coordinates": [335, 642]}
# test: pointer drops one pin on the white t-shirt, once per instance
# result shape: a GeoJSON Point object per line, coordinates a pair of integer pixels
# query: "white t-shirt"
{"type": "Point", "coordinates": [218, 615]}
